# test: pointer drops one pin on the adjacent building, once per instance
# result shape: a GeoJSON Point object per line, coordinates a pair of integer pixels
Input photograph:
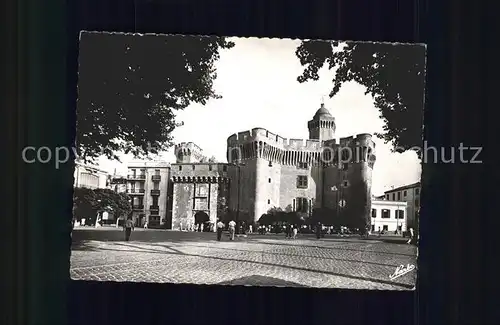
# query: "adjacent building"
{"type": "Point", "coordinates": [88, 176]}
{"type": "Point", "coordinates": [389, 215]}
{"type": "Point", "coordinates": [148, 186]}
{"type": "Point", "coordinates": [410, 194]}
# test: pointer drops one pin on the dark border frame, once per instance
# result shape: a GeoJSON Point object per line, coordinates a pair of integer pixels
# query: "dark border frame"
{"type": "Point", "coordinates": [45, 51]}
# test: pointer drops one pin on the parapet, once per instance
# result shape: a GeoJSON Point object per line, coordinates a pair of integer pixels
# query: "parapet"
{"type": "Point", "coordinates": [148, 164]}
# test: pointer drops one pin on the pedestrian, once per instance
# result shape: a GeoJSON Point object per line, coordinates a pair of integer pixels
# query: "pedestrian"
{"type": "Point", "coordinates": [250, 229]}
{"type": "Point", "coordinates": [411, 236]}
{"type": "Point", "coordinates": [220, 227]}
{"type": "Point", "coordinates": [318, 230]}
{"type": "Point", "coordinates": [379, 231]}
{"type": "Point", "coordinates": [295, 231]}
{"type": "Point", "coordinates": [146, 224]}
{"type": "Point", "coordinates": [232, 229]}
{"type": "Point", "coordinates": [128, 226]}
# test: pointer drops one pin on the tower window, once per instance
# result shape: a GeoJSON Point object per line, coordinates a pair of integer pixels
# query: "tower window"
{"type": "Point", "coordinates": [210, 167]}
{"type": "Point", "coordinates": [268, 201]}
{"type": "Point", "coordinates": [194, 167]}
{"type": "Point", "coordinates": [345, 183]}
{"type": "Point", "coordinates": [417, 191]}
{"type": "Point", "coordinates": [180, 167]}
{"type": "Point", "coordinates": [303, 165]}
{"type": "Point", "coordinates": [405, 193]}
{"type": "Point", "coordinates": [301, 181]}
{"type": "Point", "coordinates": [224, 168]}
{"type": "Point", "coordinates": [270, 164]}
{"type": "Point", "coordinates": [269, 180]}
{"type": "Point", "coordinates": [399, 196]}
{"type": "Point", "coordinates": [302, 204]}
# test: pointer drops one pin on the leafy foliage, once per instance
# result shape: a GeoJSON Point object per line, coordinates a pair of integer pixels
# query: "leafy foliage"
{"type": "Point", "coordinates": [393, 75]}
{"type": "Point", "coordinates": [130, 87]}
{"type": "Point", "coordinates": [278, 216]}
{"type": "Point", "coordinates": [88, 202]}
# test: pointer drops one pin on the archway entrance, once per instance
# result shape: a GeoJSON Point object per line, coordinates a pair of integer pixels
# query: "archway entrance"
{"type": "Point", "coordinates": [201, 220]}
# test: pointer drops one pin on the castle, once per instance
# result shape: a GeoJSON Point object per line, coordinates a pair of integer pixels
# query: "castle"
{"type": "Point", "coordinates": [264, 171]}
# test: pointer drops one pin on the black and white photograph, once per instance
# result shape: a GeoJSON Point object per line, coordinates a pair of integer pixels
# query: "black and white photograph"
{"type": "Point", "coordinates": [247, 161]}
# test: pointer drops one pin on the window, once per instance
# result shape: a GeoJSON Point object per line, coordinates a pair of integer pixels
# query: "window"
{"type": "Point", "coordinates": [210, 167]}
{"type": "Point", "coordinates": [387, 197]}
{"type": "Point", "coordinates": [133, 172]}
{"type": "Point", "coordinates": [385, 228]}
{"type": "Point", "coordinates": [143, 172]}
{"type": "Point", "coordinates": [270, 164]}
{"type": "Point", "coordinates": [373, 227]}
{"type": "Point", "coordinates": [194, 167]}
{"type": "Point", "coordinates": [417, 203]}
{"type": "Point", "coordinates": [405, 193]}
{"type": "Point", "coordinates": [268, 201]}
{"type": "Point", "coordinates": [400, 228]}
{"type": "Point", "coordinates": [399, 196]}
{"type": "Point", "coordinates": [157, 172]}
{"type": "Point", "coordinates": [345, 184]}
{"type": "Point", "coordinates": [201, 190]}
{"type": "Point", "coordinates": [200, 203]}
{"type": "Point", "coordinates": [301, 181]}
{"type": "Point", "coordinates": [386, 213]}
{"type": "Point", "coordinates": [417, 191]}
{"type": "Point", "coordinates": [269, 180]}
{"type": "Point", "coordinates": [374, 213]}
{"type": "Point", "coordinates": [303, 165]}
{"type": "Point", "coordinates": [156, 185]}
{"type": "Point", "coordinates": [302, 205]}
{"type": "Point", "coordinates": [224, 168]}
{"type": "Point", "coordinates": [345, 166]}
{"type": "Point", "coordinates": [394, 196]}
{"type": "Point", "coordinates": [155, 200]}
{"type": "Point", "coordinates": [400, 214]}
{"type": "Point", "coordinates": [180, 167]}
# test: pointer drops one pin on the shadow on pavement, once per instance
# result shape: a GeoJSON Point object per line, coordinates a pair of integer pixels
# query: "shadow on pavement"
{"type": "Point", "coordinates": [177, 252]}
{"type": "Point", "coordinates": [264, 281]}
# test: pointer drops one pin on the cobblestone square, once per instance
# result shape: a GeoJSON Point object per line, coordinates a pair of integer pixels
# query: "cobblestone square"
{"type": "Point", "coordinates": [270, 260]}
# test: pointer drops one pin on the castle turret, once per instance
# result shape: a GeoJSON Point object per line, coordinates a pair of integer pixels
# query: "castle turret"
{"type": "Point", "coordinates": [322, 126]}
{"type": "Point", "coordinates": [188, 153]}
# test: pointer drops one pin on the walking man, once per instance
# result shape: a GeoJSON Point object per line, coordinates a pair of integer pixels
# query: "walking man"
{"type": "Point", "coordinates": [220, 227]}
{"type": "Point", "coordinates": [318, 230]}
{"type": "Point", "coordinates": [295, 230]}
{"type": "Point", "coordinates": [128, 226]}
{"type": "Point", "coordinates": [232, 228]}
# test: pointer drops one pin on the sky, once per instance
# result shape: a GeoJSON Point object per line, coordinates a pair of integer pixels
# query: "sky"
{"type": "Point", "coordinates": [257, 79]}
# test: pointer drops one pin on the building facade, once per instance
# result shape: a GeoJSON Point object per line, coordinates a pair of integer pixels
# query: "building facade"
{"type": "Point", "coordinates": [263, 171]}
{"type": "Point", "coordinates": [89, 176]}
{"type": "Point", "coordinates": [389, 215]}
{"type": "Point", "coordinates": [303, 174]}
{"type": "Point", "coordinates": [411, 195]}
{"type": "Point", "coordinates": [148, 186]}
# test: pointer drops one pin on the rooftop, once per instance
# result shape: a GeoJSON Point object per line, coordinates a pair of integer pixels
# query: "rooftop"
{"type": "Point", "coordinates": [405, 187]}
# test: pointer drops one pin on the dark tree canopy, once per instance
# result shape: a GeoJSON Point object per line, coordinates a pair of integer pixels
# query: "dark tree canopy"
{"type": "Point", "coordinates": [393, 75]}
{"type": "Point", "coordinates": [130, 87]}
{"type": "Point", "coordinates": [88, 202]}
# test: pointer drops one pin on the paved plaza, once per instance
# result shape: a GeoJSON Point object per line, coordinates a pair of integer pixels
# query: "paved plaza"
{"type": "Point", "coordinates": [270, 260]}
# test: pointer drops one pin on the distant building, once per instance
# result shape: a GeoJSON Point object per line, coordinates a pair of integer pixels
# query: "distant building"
{"type": "Point", "coordinates": [409, 194]}
{"type": "Point", "coordinates": [148, 186]}
{"type": "Point", "coordinates": [88, 176]}
{"type": "Point", "coordinates": [389, 215]}
{"type": "Point", "coordinates": [118, 183]}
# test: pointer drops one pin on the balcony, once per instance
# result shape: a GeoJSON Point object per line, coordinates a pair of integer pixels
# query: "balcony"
{"type": "Point", "coordinates": [155, 192]}
{"type": "Point", "coordinates": [156, 178]}
{"type": "Point", "coordinates": [136, 177]}
{"type": "Point", "coordinates": [154, 208]}
{"type": "Point", "coordinates": [135, 191]}
{"type": "Point", "coordinates": [138, 207]}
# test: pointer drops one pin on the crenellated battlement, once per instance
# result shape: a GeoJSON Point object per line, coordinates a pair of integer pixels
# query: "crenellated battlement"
{"type": "Point", "coordinates": [188, 152]}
